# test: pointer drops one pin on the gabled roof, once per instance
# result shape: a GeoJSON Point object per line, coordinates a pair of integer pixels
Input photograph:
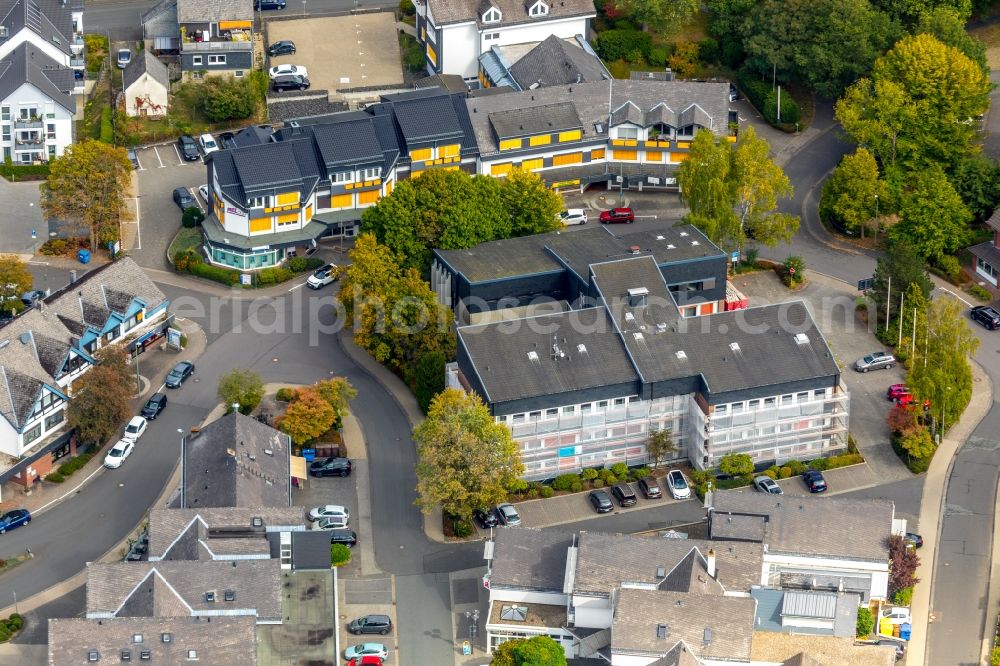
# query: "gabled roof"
{"type": "Point", "coordinates": [27, 64]}
{"type": "Point", "coordinates": [994, 221]}
{"type": "Point", "coordinates": [426, 118]}
{"type": "Point", "coordinates": [217, 533]}
{"type": "Point", "coordinates": [217, 640]}
{"type": "Point", "coordinates": [546, 119]}
{"type": "Point", "coordinates": [206, 11]}
{"type": "Point", "coordinates": [530, 558]}
{"type": "Point", "coordinates": [49, 19]}
{"type": "Point", "coordinates": [513, 11]}
{"type": "Point", "coordinates": [146, 63]}
{"type": "Point", "coordinates": [235, 461]}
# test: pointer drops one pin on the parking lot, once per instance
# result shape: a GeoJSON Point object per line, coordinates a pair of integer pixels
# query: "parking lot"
{"type": "Point", "coordinates": [342, 52]}
{"type": "Point", "coordinates": [161, 170]}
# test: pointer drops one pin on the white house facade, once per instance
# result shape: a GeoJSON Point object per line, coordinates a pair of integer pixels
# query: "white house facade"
{"type": "Point", "coordinates": [146, 84]}
{"type": "Point", "coordinates": [52, 28]}
{"type": "Point", "coordinates": [36, 106]}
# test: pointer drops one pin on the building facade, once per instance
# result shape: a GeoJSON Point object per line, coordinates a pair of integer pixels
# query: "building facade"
{"type": "Point", "coordinates": [54, 29]}
{"type": "Point", "coordinates": [146, 86]}
{"type": "Point", "coordinates": [216, 37]}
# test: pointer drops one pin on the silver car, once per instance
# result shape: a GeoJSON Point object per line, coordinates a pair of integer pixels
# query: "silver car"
{"type": "Point", "coordinates": [875, 361]}
{"type": "Point", "coordinates": [766, 484]}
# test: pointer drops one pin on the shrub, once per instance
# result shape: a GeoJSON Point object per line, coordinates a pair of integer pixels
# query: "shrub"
{"type": "Point", "coordinates": [298, 264]}
{"type": "Point", "coordinates": [54, 247]}
{"type": "Point", "coordinates": [406, 8]}
{"type": "Point", "coordinates": [981, 293]}
{"type": "Point", "coordinates": [865, 622]}
{"type": "Point", "coordinates": [565, 481]}
{"type": "Point", "coordinates": [532, 493]}
{"type": "Point", "coordinates": [950, 266]}
{"type": "Point", "coordinates": [226, 276]}
{"type": "Point", "coordinates": [903, 597]}
{"type": "Point", "coordinates": [5, 634]}
{"type": "Point", "coordinates": [785, 473]}
{"type": "Point", "coordinates": [995, 657]}
{"type": "Point", "coordinates": [852, 446]}
{"type": "Point", "coordinates": [547, 492]}
{"type": "Point", "coordinates": [589, 474]}
{"type": "Point", "coordinates": [619, 44]}
{"type": "Point", "coordinates": [796, 467]}
{"type": "Point", "coordinates": [620, 470]}
{"type": "Point", "coordinates": [790, 112]}
{"type": "Point", "coordinates": [844, 460]}
{"type": "Point", "coordinates": [576, 487]}
{"type": "Point", "coordinates": [192, 217]}
{"type": "Point", "coordinates": [640, 473]}
{"type": "Point", "coordinates": [462, 528]}
{"type": "Point", "coordinates": [228, 99]}
{"type": "Point", "coordinates": [708, 50]}
{"type": "Point", "coordinates": [736, 464]}
{"type": "Point", "coordinates": [794, 271]}
{"type": "Point", "coordinates": [285, 395]}
{"type": "Point", "coordinates": [597, 483]}
{"type": "Point", "coordinates": [339, 555]}
{"type": "Point", "coordinates": [657, 57]}
{"type": "Point", "coordinates": [819, 464]}
{"type": "Point", "coordinates": [54, 477]}
{"type": "Point", "coordinates": [604, 474]}
{"type": "Point", "coordinates": [274, 275]}
{"type": "Point", "coordinates": [771, 472]}
{"type": "Point", "coordinates": [15, 622]}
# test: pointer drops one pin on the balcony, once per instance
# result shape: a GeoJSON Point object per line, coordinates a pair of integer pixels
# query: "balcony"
{"type": "Point", "coordinates": [28, 140]}
{"type": "Point", "coordinates": [77, 62]}
{"type": "Point", "coordinates": [28, 123]}
{"type": "Point", "coordinates": [216, 47]}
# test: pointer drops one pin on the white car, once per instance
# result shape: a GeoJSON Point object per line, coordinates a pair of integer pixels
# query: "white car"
{"type": "Point", "coordinates": [678, 485]}
{"type": "Point", "coordinates": [322, 277]}
{"type": "Point", "coordinates": [135, 428]}
{"type": "Point", "coordinates": [288, 70]}
{"type": "Point", "coordinates": [124, 58]}
{"type": "Point", "coordinates": [208, 144]}
{"type": "Point", "coordinates": [573, 216]}
{"type": "Point", "coordinates": [365, 650]}
{"type": "Point", "coordinates": [898, 615]}
{"type": "Point", "coordinates": [203, 191]}
{"type": "Point", "coordinates": [328, 511]}
{"type": "Point", "coordinates": [331, 523]}
{"type": "Point", "coordinates": [118, 453]}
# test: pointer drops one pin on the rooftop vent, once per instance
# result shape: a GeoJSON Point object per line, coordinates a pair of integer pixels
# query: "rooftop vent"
{"type": "Point", "coordinates": [145, 655]}
{"type": "Point", "coordinates": [557, 351]}
{"type": "Point", "coordinates": [93, 655]}
{"type": "Point", "coordinates": [25, 338]}
{"type": "Point", "coordinates": [230, 595]}
{"type": "Point", "coordinates": [684, 234]}
{"type": "Point", "coordinates": [801, 338]}
{"type": "Point", "coordinates": [661, 631]}
{"type": "Point", "coordinates": [581, 348]}
{"type": "Point", "coordinates": [637, 296]}
{"type": "Point", "coordinates": [661, 572]}
{"type": "Point", "coordinates": [695, 243]}
{"type": "Point", "coordinates": [629, 317]}
{"type": "Point", "coordinates": [268, 452]}
{"type": "Point", "coordinates": [210, 597]}
{"type": "Point", "coordinates": [638, 336]}
{"type": "Point", "coordinates": [659, 237]}
{"type": "Point", "coordinates": [126, 655]}
{"type": "Point", "coordinates": [671, 246]}
{"type": "Point", "coordinates": [634, 249]}
{"type": "Point", "coordinates": [661, 327]}
{"type": "Point", "coordinates": [533, 356]}
{"type": "Point", "coordinates": [707, 637]}
{"type": "Point", "coordinates": [681, 354]}
{"type": "Point", "coordinates": [734, 346]}
{"type": "Point", "coordinates": [256, 521]}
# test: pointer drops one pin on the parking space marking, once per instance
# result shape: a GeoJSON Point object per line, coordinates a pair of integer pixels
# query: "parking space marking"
{"type": "Point", "coordinates": [138, 162]}
{"type": "Point", "coordinates": [180, 160]}
{"type": "Point", "coordinates": [194, 195]}
{"type": "Point", "coordinates": [138, 233]}
{"type": "Point", "coordinates": [158, 158]}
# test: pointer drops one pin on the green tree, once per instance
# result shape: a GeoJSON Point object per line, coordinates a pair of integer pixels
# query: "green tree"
{"type": "Point", "coordinates": [948, 25]}
{"type": "Point", "coordinates": [757, 184]}
{"type": "Point", "coordinates": [243, 387]}
{"type": "Point", "coordinates": [660, 15]}
{"type": "Point", "coordinates": [736, 464]}
{"type": "Point", "coordinates": [427, 378]}
{"type": "Point", "coordinates": [101, 397]}
{"type": "Point", "coordinates": [933, 217]}
{"type": "Point", "coordinates": [307, 418]}
{"type": "Point", "coordinates": [704, 179]}
{"type": "Point", "coordinates": [854, 192]}
{"type": "Point", "coordinates": [466, 459]}
{"type": "Point", "coordinates": [532, 206]}
{"type": "Point", "coordinates": [15, 279]}
{"type": "Point", "coordinates": [228, 99]}
{"type": "Point", "coordinates": [976, 178]}
{"type": "Point", "coordinates": [914, 314]}
{"type": "Point", "coordinates": [865, 623]}
{"type": "Point", "coordinates": [659, 446]}
{"type": "Point", "coordinates": [918, 105]}
{"type": "Point", "coordinates": [87, 187]}
{"type": "Point", "coordinates": [339, 555]}
{"type": "Point", "coordinates": [535, 651]}
{"type": "Point", "coordinates": [897, 268]}
{"type": "Point", "coordinates": [337, 392]}
{"type": "Point", "coordinates": [907, 11]}
{"type": "Point", "coordinates": [917, 443]}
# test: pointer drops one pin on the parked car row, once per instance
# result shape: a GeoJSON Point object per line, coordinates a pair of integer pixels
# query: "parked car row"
{"type": "Point", "coordinates": [622, 492]}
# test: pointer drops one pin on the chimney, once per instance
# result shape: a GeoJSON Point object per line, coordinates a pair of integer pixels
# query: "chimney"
{"type": "Point", "coordinates": [711, 562]}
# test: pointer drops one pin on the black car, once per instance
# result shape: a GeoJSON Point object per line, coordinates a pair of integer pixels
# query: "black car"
{"type": "Point", "coordinates": [650, 488]}
{"type": "Point", "coordinates": [371, 624]}
{"type": "Point", "coordinates": [29, 298]}
{"type": "Point", "coordinates": [913, 539]}
{"type": "Point", "coordinates": [330, 467]}
{"type": "Point", "coordinates": [181, 371]}
{"type": "Point", "coordinates": [986, 316]}
{"type": "Point", "coordinates": [814, 481]}
{"type": "Point", "coordinates": [601, 501]}
{"type": "Point", "coordinates": [268, 4]}
{"type": "Point", "coordinates": [289, 82]}
{"type": "Point", "coordinates": [227, 140]}
{"type": "Point", "coordinates": [346, 537]}
{"type": "Point", "coordinates": [284, 47]}
{"type": "Point", "coordinates": [485, 518]}
{"type": "Point", "coordinates": [183, 198]}
{"type": "Point", "coordinates": [154, 406]}
{"type": "Point", "coordinates": [624, 494]}
{"type": "Point", "coordinates": [188, 148]}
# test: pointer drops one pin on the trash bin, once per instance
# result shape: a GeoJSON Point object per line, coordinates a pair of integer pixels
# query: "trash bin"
{"type": "Point", "coordinates": [83, 256]}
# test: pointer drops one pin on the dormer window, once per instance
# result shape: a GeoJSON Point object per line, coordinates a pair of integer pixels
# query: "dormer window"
{"type": "Point", "coordinates": [539, 9]}
{"type": "Point", "coordinates": [492, 15]}
{"type": "Point", "coordinates": [626, 132]}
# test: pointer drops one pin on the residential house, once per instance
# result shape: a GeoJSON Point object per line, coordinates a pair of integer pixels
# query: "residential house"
{"type": "Point", "coordinates": [829, 544]}
{"type": "Point", "coordinates": [551, 62]}
{"type": "Point", "coordinates": [585, 343]}
{"type": "Point", "coordinates": [36, 105]}
{"type": "Point", "coordinates": [44, 350]}
{"type": "Point", "coordinates": [985, 267]}
{"type": "Point", "coordinates": [455, 33]}
{"type": "Point", "coordinates": [54, 27]}
{"type": "Point", "coordinates": [236, 461]}
{"type": "Point", "coordinates": [157, 640]}
{"type": "Point", "coordinates": [146, 85]}
{"type": "Point", "coordinates": [221, 533]}
{"type": "Point", "coordinates": [216, 37]}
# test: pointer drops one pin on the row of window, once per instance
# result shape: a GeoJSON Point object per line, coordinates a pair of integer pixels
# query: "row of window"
{"type": "Point", "coordinates": [49, 423]}
{"type": "Point", "coordinates": [213, 59]}
{"type": "Point", "coordinates": [768, 403]}
{"type": "Point", "coordinates": [568, 410]}
{"type": "Point", "coordinates": [656, 133]}
{"type": "Point", "coordinates": [340, 177]}
{"type": "Point", "coordinates": [26, 112]}
{"type": "Point", "coordinates": [50, 133]}
{"type": "Point", "coordinates": [541, 140]}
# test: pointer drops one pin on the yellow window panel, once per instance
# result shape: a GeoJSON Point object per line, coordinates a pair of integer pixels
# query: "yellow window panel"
{"type": "Point", "coordinates": [451, 168]}
{"type": "Point", "coordinates": [731, 139]}
{"type": "Point", "coordinates": [416, 174]}
{"type": "Point", "coordinates": [500, 169]}
{"type": "Point", "coordinates": [259, 224]}
{"type": "Point", "coordinates": [510, 144]}
{"type": "Point", "coordinates": [349, 186]}
{"type": "Point", "coordinates": [597, 154]}
{"type": "Point", "coordinates": [288, 218]}
{"type": "Point", "coordinates": [368, 197]}
{"type": "Point", "coordinates": [309, 213]}
{"type": "Point", "coordinates": [683, 144]}
{"type": "Point", "coordinates": [450, 151]}
{"type": "Point", "coordinates": [572, 135]}
{"type": "Point", "coordinates": [542, 140]}
{"type": "Point", "coordinates": [420, 154]}
{"type": "Point", "coordinates": [377, 181]}
{"type": "Point", "coordinates": [388, 188]}
{"type": "Point", "coordinates": [631, 142]}
{"type": "Point", "coordinates": [618, 142]}
{"type": "Point", "coordinates": [342, 201]}
{"type": "Point", "coordinates": [288, 198]}
{"type": "Point", "coordinates": [432, 54]}
{"type": "Point", "coordinates": [623, 154]}
{"type": "Point", "coordinates": [679, 157]}
{"type": "Point", "coordinates": [531, 165]}
{"type": "Point", "coordinates": [654, 156]}
{"type": "Point", "coordinates": [571, 158]}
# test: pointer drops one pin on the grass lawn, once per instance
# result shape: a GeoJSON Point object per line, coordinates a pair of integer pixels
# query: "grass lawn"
{"type": "Point", "coordinates": [186, 239]}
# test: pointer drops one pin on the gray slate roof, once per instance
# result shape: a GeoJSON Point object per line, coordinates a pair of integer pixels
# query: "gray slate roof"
{"type": "Point", "coordinates": [527, 558]}
{"type": "Point", "coordinates": [49, 19]}
{"type": "Point", "coordinates": [513, 12]}
{"type": "Point", "coordinates": [988, 252]}
{"type": "Point", "coordinates": [852, 529]}
{"type": "Point", "coordinates": [146, 63]}
{"type": "Point", "coordinates": [27, 64]}
{"type": "Point", "coordinates": [688, 101]}
{"type": "Point", "coordinates": [205, 11]}
{"type": "Point", "coordinates": [178, 588]}
{"type": "Point", "coordinates": [712, 626]}
{"type": "Point", "coordinates": [235, 461]}
{"type": "Point", "coordinates": [285, 108]}
{"type": "Point", "coordinates": [545, 119]}
{"type": "Point", "coordinates": [559, 62]}
{"type": "Point", "coordinates": [772, 605]}
{"type": "Point", "coordinates": [186, 534]}
{"type": "Point", "coordinates": [217, 640]}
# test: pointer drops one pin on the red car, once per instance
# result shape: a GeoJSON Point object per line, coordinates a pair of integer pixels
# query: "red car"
{"type": "Point", "coordinates": [906, 399]}
{"type": "Point", "coordinates": [896, 391]}
{"type": "Point", "coordinates": [617, 216]}
{"type": "Point", "coordinates": [367, 660]}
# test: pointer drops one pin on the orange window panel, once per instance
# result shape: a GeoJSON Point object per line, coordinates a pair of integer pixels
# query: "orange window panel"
{"type": "Point", "coordinates": [432, 54]}
{"type": "Point", "coordinates": [342, 201]}
{"type": "Point", "coordinates": [369, 197]}
{"type": "Point", "coordinates": [624, 154]}
{"type": "Point", "coordinates": [500, 169]}
{"type": "Point", "coordinates": [654, 156]}
{"type": "Point", "coordinates": [260, 224]}
{"type": "Point", "coordinates": [679, 157]}
{"type": "Point", "coordinates": [571, 158]}
{"type": "Point", "coordinates": [288, 218]}
{"type": "Point", "coordinates": [597, 154]}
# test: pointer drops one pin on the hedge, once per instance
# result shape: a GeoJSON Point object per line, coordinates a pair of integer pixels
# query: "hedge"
{"type": "Point", "coordinates": [10, 626]}
{"type": "Point", "coordinates": [765, 99]}
{"type": "Point", "coordinates": [620, 44]}
{"type": "Point", "coordinates": [68, 467]}
{"type": "Point", "coordinates": [14, 172]}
